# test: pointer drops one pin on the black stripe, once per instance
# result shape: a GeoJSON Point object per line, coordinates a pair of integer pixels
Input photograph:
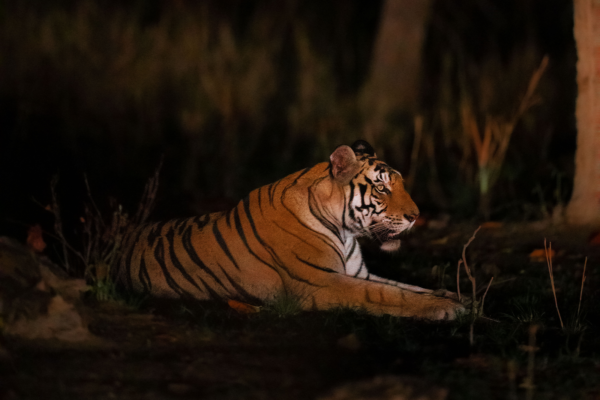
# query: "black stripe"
{"type": "Point", "coordinates": [144, 277]}
{"type": "Point", "coordinates": [344, 212]}
{"type": "Point", "coordinates": [201, 221]}
{"type": "Point", "coordinates": [381, 211]}
{"type": "Point", "coordinates": [246, 203]}
{"type": "Point", "coordinates": [227, 219]}
{"type": "Point", "coordinates": [359, 269]}
{"type": "Point", "coordinates": [176, 263]}
{"type": "Point", "coordinates": [304, 171]}
{"type": "Point", "coordinates": [272, 193]}
{"type": "Point", "coordinates": [351, 250]}
{"type": "Point", "coordinates": [314, 210]}
{"type": "Point", "coordinates": [363, 194]}
{"type": "Point", "coordinates": [325, 269]}
{"type": "Point", "coordinates": [180, 222]}
{"type": "Point", "coordinates": [186, 240]}
{"type": "Point", "coordinates": [294, 183]}
{"type": "Point", "coordinates": [296, 236]}
{"type": "Point", "coordinates": [260, 199]}
{"type": "Point", "coordinates": [159, 256]}
{"type": "Point", "coordinates": [323, 238]}
{"type": "Point", "coordinates": [132, 248]}
{"type": "Point", "coordinates": [212, 293]}
{"type": "Point", "coordinates": [155, 231]}
{"type": "Point", "coordinates": [238, 287]}
{"type": "Point", "coordinates": [240, 231]}
{"type": "Point", "coordinates": [182, 225]}
{"type": "Point", "coordinates": [351, 213]}
{"type": "Point", "coordinates": [223, 245]}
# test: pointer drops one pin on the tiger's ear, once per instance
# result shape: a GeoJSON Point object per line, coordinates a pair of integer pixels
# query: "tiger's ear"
{"type": "Point", "coordinates": [361, 147]}
{"type": "Point", "coordinates": [343, 164]}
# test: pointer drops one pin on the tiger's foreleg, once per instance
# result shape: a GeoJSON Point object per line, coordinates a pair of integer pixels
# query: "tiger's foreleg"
{"type": "Point", "coordinates": [412, 288]}
{"type": "Point", "coordinates": [380, 298]}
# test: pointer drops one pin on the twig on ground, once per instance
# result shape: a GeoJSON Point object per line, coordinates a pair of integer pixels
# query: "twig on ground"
{"type": "Point", "coordinates": [474, 308]}
{"type": "Point", "coordinates": [468, 270]}
{"type": "Point", "coordinates": [550, 271]}
{"type": "Point", "coordinates": [485, 294]}
{"type": "Point", "coordinates": [581, 293]}
{"type": "Point", "coordinates": [495, 284]}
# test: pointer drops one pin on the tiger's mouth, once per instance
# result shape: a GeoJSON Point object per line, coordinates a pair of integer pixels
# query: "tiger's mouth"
{"type": "Point", "coordinates": [390, 239]}
{"type": "Point", "coordinates": [393, 235]}
{"type": "Point", "coordinates": [387, 236]}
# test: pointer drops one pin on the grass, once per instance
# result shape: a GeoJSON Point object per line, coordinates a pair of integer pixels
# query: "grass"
{"type": "Point", "coordinates": [525, 309]}
{"type": "Point", "coordinates": [284, 304]}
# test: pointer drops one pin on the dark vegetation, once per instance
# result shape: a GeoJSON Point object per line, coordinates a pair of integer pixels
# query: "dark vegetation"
{"type": "Point", "coordinates": [237, 94]}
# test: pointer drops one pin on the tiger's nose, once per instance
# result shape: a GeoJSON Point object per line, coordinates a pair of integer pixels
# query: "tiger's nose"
{"type": "Point", "coordinates": [411, 217]}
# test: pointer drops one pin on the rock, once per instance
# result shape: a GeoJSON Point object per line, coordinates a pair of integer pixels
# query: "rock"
{"type": "Point", "coordinates": [37, 299]}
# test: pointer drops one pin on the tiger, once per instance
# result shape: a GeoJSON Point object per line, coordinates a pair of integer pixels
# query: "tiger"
{"type": "Point", "coordinates": [297, 235]}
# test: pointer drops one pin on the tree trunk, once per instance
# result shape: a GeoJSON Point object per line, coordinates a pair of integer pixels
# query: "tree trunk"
{"type": "Point", "coordinates": [584, 207]}
{"type": "Point", "coordinates": [393, 82]}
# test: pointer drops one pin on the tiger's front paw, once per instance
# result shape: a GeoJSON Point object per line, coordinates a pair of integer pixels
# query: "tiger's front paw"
{"type": "Point", "coordinates": [444, 309]}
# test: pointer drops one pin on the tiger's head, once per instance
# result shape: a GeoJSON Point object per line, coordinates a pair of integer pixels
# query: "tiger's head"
{"type": "Point", "coordinates": [377, 205]}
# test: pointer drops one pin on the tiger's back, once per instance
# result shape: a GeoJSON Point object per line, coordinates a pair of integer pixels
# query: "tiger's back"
{"type": "Point", "coordinates": [237, 254]}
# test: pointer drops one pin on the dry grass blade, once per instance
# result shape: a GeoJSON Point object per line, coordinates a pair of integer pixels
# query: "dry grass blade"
{"type": "Point", "coordinates": [474, 311]}
{"type": "Point", "coordinates": [485, 294]}
{"type": "Point", "coordinates": [468, 269]}
{"type": "Point", "coordinates": [148, 197]}
{"type": "Point", "coordinates": [581, 292]}
{"type": "Point", "coordinates": [528, 99]}
{"type": "Point", "coordinates": [549, 262]}
{"type": "Point", "coordinates": [458, 279]}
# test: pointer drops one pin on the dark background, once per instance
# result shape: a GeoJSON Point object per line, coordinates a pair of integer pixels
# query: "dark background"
{"type": "Point", "coordinates": [237, 94]}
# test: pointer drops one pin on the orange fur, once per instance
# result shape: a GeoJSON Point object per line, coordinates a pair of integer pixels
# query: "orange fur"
{"type": "Point", "coordinates": [296, 235]}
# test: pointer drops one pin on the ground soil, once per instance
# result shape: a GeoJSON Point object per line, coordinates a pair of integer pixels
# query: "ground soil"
{"type": "Point", "coordinates": [206, 351]}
